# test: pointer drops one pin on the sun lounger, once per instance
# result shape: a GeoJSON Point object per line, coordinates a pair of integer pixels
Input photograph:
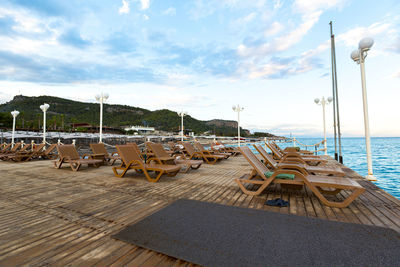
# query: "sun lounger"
{"type": "Point", "coordinates": [207, 157]}
{"type": "Point", "coordinates": [131, 159]}
{"type": "Point", "coordinates": [99, 148]}
{"type": "Point", "coordinates": [315, 183]}
{"type": "Point", "coordinates": [273, 164]}
{"type": "Point", "coordinates": [292, 149]}
{"type": "Point", "coordinates": [201, 148]}
{"type": "Point", "coordinates": [13, 150]}
{"type": "Point", "coordinates": [293, 156]}
{"type": "Point", "coordinates": [26, 154]}
{"type": "Point", "coordinates": [5, 147]}
{"type": "Point", "coordinates": [165, 158]}
{"type": "Point", "coordinates": [68, 154]}
{"type": "Point", "coordinates": [226, 149]}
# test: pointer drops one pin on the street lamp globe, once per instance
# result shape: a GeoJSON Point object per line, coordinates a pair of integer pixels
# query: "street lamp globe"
{"type": "Point", "coordinates": [15, 113]}
{"type": "Point", "coordinates": [105, 96]}
{"type": "Point", "coordinates": [97, 97]}
{"type": "Point", "coordinates": [44, 107]}
{"type": "Point", "coordinates": [355, 55]}
{"type": "Point", "coordinates": [366, 43]}
{"type": "Point", "coordinates": [316, 101]}
{"type": "Point", "coordinates": [330, 99]}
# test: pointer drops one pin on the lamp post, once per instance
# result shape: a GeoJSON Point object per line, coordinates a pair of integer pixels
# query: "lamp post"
{"type": "Point", "coordinates": [14, 114]}
{"type": "Point", "coordinates": [182, 114]}
{"type": "Point", "coordinates": [101, 98]}
{"type": "Point", "coordinates": [324, 102]}
{"type": "Point", "coordinates": [359, 56]}
{"type": "Point", "coordinates": [238, 109]}
{"type": "Point", "coordinates": [44, 108]}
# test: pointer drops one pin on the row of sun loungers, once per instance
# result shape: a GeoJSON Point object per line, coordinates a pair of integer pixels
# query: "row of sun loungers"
{"type": "Point", "coordinates": [285, 167]}
{"type": "Point", "coordinates": [20, 153]}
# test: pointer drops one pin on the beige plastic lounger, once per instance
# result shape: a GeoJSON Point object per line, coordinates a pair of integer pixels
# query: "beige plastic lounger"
{"type": "Point", "coordinates": [192, 153]}
{"type": "Point", "coordinates": [293, 156]}
{"type": "Point", "coordinates": [226, 149]}
{"type": "Point", "coordinates": [13, 150]}
{"type": "Point", "coordinates": [314, 182]}
{"type": "Point", "coordinates": [273, 164]}
{"type": "Point", "coordinates": [160, 153]}
{"type": "Point", "coordinates": [131, 160]}
{"type": "Point", "coordinates": [26, 155]}
{"type": "Point", "coordinates": [99, 148]}
{"type": "Point", "coordinates": [68, 154]}
{"type": "Point", "coordinates": [201, 148]}
{"type": "Point", "coordinates": [291, 149]}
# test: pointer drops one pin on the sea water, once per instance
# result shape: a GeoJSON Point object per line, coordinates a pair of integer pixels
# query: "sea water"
{"type": "Point", "coordinates": [385, 158]}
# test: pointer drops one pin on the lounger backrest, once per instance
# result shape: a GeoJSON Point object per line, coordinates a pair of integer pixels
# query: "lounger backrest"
{"type": "Point", "coordinates": [265, 154]}
{"type": "Point", "coordinates": [52, 147]}
{"type": "Point", "coordinates": [25, 147]}
{"type": "Point", "coordinates": [6, 146]}
{"type": "Point", "coordinates": [254, 161]}
{"type": "Point", "coordinates": [67, 151]}
{"type": "Point", "coordinates": [199, 146]}
{"type": "Point", "coordinates": [148, 147]}
{"type": "Point", "coordinates": [273, 149]}
{"type": "Point", "coordinates": [128, 153]}
{"type": "Point", "coordinates": [158, 150]}
{"type": "Point", "coordinates": [16, 147]}
{"type": "Point", "coordinates": [189, 148]}
{"type": "Point", "coordinates": [38, 148]}
{"type": "Point", "coordinates": [99, 149]}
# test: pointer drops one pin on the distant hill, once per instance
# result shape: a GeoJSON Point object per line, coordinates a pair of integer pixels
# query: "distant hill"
{"type": "Point", "coordinates": [63, 112]}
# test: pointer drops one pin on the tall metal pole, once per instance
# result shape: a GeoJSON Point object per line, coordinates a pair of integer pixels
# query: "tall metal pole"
{"type": "Point", "coordinates": [44, 127]}
{"type": "Point", "coordinates": [182, 126]}
{"type": "Point", "coordinates": [337, 103]}
{"type": "Point", "coordinates": [14, 114]}
{"type": "Point", "coordinates": [101, 119]}
{"type": "Point", "coordinates": [333, 93]}
{"type": "Point", "coordinates": [101, 98]}
{"type": "Point", "coordinates": [238, 126]}
{"type": "Point", "coordinates": [238, 109]}
{"type": "Point", "coordinates": [323, 115]}
{"type": "Point", "coordinates": [370, 175]}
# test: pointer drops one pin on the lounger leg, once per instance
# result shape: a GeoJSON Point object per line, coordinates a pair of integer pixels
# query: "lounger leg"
{"type": "Point", "coordinates": [194, 167]}
{"type": "Point", "coordinates": [120, 175]}
{"type": "Point", "coordinates": [75, 166]}
{"type": "Point", "coordinates": [153, 180]}
{"type": "Point", "coordinates": [343, 204]}
{"type": "Point", "coordinates": [264, 184]}
{"type": "Point", "coordinates": [329, 192]}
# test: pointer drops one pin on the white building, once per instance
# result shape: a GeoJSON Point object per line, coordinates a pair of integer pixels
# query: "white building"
{"type": "Point", "coordinates": [140, 129]}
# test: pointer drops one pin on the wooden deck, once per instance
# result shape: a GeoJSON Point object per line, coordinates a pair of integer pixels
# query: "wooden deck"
{"type": "Point", "coordinates": [60, 217]}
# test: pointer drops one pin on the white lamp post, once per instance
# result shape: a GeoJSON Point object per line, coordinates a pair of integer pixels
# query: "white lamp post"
{"type": "Point", "coordinates": [44, 108]}
{"type": "Point", "coordinates": [324, 102]}
{"type": "Point", "coordinates": [14, 114]}
{"type": "Point", "coordinates": [182, 114]}
{"type": "Point", "coordinates": [101, 98]}
{"type": "Point", "coordinates": [238, 109]}
{"type": "Point", "coordinates": [359, 57]}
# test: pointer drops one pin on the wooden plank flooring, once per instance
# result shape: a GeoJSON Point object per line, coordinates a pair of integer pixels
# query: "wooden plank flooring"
{"type": "Point", "coordinates": [60, 217]}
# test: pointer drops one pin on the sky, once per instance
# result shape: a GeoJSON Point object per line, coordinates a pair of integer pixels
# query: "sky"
{"type": "Point", "coordinates": [272, 57]}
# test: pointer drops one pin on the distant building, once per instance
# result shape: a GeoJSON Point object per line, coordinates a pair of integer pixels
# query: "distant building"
{"type": "Point", "coordinates": [140, 129]}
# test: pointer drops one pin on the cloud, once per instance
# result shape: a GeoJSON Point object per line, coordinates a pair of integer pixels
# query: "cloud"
{"type": "Point", "coordinates": [73, 38]}
{"type": "Point", "coordinates": [145, 4]}
{"type": "Point", "coordinates": [47, 70]}
{"type": "Point", "coordinates": [45, 7]}
{"type": "Point", "coordinates": [396, 74]}
{"type": "Point", "coordinates": [275, 28]}
{"type": "Point", "coordinates": [171, 11]}
{"type": "Point", "coordinates": [124, 9]}
{"type": "Point", "coordinates": [145, 17]}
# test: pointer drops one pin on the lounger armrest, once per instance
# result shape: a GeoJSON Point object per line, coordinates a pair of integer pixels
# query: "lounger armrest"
{"type": "Point", "coordinates": [286, 166]}
{"type": "Point", "coordinates": [154, 159]}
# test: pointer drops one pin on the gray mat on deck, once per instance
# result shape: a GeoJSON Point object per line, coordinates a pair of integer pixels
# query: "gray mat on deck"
{"type": "Point", "coordinates": [216, 235]}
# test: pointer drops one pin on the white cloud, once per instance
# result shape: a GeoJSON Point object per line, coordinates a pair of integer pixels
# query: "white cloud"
{"type": "Point", "coordinates": [125, 7]}
{"type": "Point", "coordinates": [145, 17]}
{"type": "Point", "coordinates": [170, 11]}
{"type": "Point", "coordinates": [275, 28]}
{"type": "Point", "coordinates": [145, 4]}
{"type": "Point", "coordinates": [396, 74]}
{"type": "Point", "coordinates": [353, 36]}
{"type": "Point", "coordinates": [310, 6]}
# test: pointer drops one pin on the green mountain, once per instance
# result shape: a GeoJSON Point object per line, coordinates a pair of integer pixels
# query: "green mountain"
{"type": "Point", "coordinates": [63, 112]}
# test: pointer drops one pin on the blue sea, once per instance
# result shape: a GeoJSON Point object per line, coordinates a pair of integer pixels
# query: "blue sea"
{"type": "Point", "coordinates": [385, 158]}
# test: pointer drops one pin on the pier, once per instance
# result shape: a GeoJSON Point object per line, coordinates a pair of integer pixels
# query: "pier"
{"type": "Point", "coordinates": [61, 217]}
